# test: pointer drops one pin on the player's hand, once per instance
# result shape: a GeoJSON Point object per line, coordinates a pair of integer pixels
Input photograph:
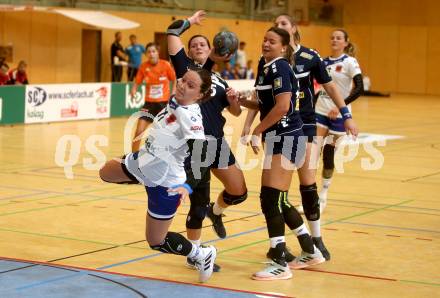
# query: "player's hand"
{"type": "Point", "coordinates": [232, 95]}
{"type": "Point", "coordinates": [245, 137]}
{"type": "Point", "coordinates": [256, 140]}
{"type": "Point", "coordinates": [197, 17]}
{"type": "Point", "coordinates": [182, 191]}
{"type": "Point", "coordinates": [333, 114]}
{"type": "Point", "coordinates": [217, 58]}
{"type": "Point", "coordinates": [351, 128]}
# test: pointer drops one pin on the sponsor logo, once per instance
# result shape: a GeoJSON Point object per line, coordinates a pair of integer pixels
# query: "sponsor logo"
{"type": "Point", "coordinates": [70, 112]}
{"type": "Point", "coordinates": [170, 119]}
{"type": "Point", "coordinates": [300, 68]}
{"type": "Point", "coordinates": [277, 83]}
{"type": "Point", "coordinates": [193, 119]}
{"type": "Point", "coordinates": [136, 101]}
{"type": "Point", "coordinates": [36, 96]}
{"type": "Point", "coordinates": [306, 55]}
{"type": "Point", "coordinates": [300, 94]}
{"type": "Point", "coordinates": [35, 114]}
{"type": "Point", "coordinates": [196, 127]}
{"type": "Point", "coordinates": [338, 68]}
{"type": "Point", "coordinates": [101, 100]}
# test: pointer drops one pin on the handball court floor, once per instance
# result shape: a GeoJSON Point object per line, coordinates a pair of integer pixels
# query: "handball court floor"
{"type": "Point", "coordinates": [80, 237]}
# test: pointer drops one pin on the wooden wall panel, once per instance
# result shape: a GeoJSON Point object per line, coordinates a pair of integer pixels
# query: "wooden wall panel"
{"type": "Point", "coordinates": [384, 58]}
{"type": "Point", "coordinates": [68, 51]}
{"type": "Point", "coordinates": [433, 61]}
{"type": "Point", "coordinates": [412, 59]}
{"type": "Point", "coordinates": [17, 33]}
{"type": "Point", "coordinates": [43, 56]}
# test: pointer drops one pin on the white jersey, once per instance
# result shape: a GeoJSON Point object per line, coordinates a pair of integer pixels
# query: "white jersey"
{"type": "Point", "coordinates": [161, 160]}
{"type": "Point", "coordinates": [342, 70]}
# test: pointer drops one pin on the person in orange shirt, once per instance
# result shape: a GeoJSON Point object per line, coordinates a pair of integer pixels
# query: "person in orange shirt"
{"type": "Point", "coordinates": [157, 75]}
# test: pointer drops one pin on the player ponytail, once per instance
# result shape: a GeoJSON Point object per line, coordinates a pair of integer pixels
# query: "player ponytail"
{"type": "Point", "coordinates": [349, 49]}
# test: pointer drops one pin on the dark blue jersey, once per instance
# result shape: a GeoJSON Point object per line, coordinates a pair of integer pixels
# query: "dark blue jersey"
{"type": "Point", "coordinates": [309, 66]}
{"type": "Point", "coordinates": [274, 78]}
{"type": "Point", "coordinates": [213, 120]}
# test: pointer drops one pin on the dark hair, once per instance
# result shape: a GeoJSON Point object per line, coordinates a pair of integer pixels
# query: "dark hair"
{"type": "Point", "coordinates": [285, 41]}
{"type": "Point", "coordinates": [117, 33]}
{"type": "Point", "coordinates": [132, 35]}
{"type": "Point", "coordinates": [349, 49]}
{"type": "Point", "coordinates": [205, 76]}
{"type": "Point", "coordinates": [296, 35]}
{"type": "Point", "coordinates": [150, 44]}
{"type": "Point", "coordinates": [199, 35]}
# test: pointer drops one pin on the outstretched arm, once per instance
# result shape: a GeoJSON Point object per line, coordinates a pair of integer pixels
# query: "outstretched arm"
{"type": "Point", "coordinates": [178, 27]}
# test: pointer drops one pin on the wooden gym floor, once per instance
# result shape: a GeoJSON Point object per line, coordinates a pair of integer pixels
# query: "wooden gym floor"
{"type": "Point", "coordinates": [381, 226]}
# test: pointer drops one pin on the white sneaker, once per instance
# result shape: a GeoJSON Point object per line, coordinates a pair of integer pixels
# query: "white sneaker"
{"type": "Point", "coordinates": [273, 271]}
{"type": "Point", "coordinates": [205, 264]}
{"type": "Point", "coordinates": [300, 209]}
{"type": "Point", "coordinates": [306, 260]}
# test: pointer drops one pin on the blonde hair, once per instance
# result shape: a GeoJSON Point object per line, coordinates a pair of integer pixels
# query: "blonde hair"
{"type": "Point", "coordinates": [349, 49]}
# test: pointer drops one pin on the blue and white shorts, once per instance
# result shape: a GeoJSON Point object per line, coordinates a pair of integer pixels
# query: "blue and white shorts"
{"type": "Point", "coordinates": [162, 205]}
{"type": "Point", "coordinates": [335, 126]}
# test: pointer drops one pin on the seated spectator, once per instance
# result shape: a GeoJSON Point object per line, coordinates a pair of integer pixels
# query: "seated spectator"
{"type": "Point", "coordinates": [249, 71]}
{"type": "Point", "coordinates": [18, 76]}
{"type": "Point", "coordinates": [228, 72]}
{"type": "Point", "coordinates": [4, 78]}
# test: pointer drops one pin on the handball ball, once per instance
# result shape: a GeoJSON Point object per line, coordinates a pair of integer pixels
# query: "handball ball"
{"type": "Point", "coordinates": [225, 43]}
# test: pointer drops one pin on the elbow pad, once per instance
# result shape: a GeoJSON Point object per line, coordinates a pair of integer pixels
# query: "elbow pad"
{"type": "Point", "coordinates": [178, 27]}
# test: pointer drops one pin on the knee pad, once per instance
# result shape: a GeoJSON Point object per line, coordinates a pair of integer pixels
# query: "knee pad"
{"type": "Point", "coordinates": [271, 201]}
{"type": "Point", "coordinates": [233, 199]}
{"type": "Point", "coordinates": [310, 201]}
{"type": "Point", "coordinates": [195, 217]}
{"type": "Point", "coordinates": [328, 157]}
{"type": "Point", "coordinates": [174, 243]}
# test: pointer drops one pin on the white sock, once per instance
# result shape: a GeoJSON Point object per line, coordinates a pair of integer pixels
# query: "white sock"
{"type": "Point", "coordinates": [301, 230]}
{"type": "Point", "coordinates": [195, 252]}
{"type": "Point", "coordinates": [275, 240]}
{"type": "Point", "coordinates": [196, 242]}
{"type": "Point", "coordinates": [326, 183]}
{"type": "Point", "coordinates": [315, 227]}
{"type": "Point", "coordinates": [217, 209]}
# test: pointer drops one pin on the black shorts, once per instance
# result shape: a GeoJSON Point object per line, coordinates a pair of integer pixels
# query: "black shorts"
{"type": "Point", "coordinates": [309, 130]}
{"type": "Point", "coordinates": [223, 157]}
{"type": "Point", "coordinates": [152, 108]}
{"type": "Point", "coordinates": [291, 146]}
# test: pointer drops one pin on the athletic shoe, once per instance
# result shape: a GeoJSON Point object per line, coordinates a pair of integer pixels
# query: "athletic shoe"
{"type": "Point", "coordinates": [205, 262]}
{"type": "Point", "coordinates": [288, 255]}
{"type": "Point", "coordinates": [306, 260]}
{"type": "Point", "coordinates": [217, 222]}
{"type": "Point", "coordinates": [273, 271]}
{"type": "Point", "coordinates": [190, 263]}
{"type": "Point", "coordinates": [320, 245]}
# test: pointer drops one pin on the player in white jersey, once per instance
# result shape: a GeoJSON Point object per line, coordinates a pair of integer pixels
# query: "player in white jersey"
{"type": "Point", "coordinates": [346, 73]}
{"type": "Point", "coordinates": [159, 165]}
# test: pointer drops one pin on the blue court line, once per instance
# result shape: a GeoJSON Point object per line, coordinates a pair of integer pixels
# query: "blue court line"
{"type": "Point", "coordinates": [389, 227]}
{"type": "Point", "coordinates": [47, 281]}
{"type": "Point", "coordinates": [158, 254]}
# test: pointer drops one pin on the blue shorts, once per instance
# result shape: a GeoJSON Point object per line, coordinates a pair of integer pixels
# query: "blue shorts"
{"type": "Point", "coordinates": [162, 205]}
{"type": "Point", "coordinates": [335, 126]}
{"type": "Point", "coordinates": [291, 146]}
